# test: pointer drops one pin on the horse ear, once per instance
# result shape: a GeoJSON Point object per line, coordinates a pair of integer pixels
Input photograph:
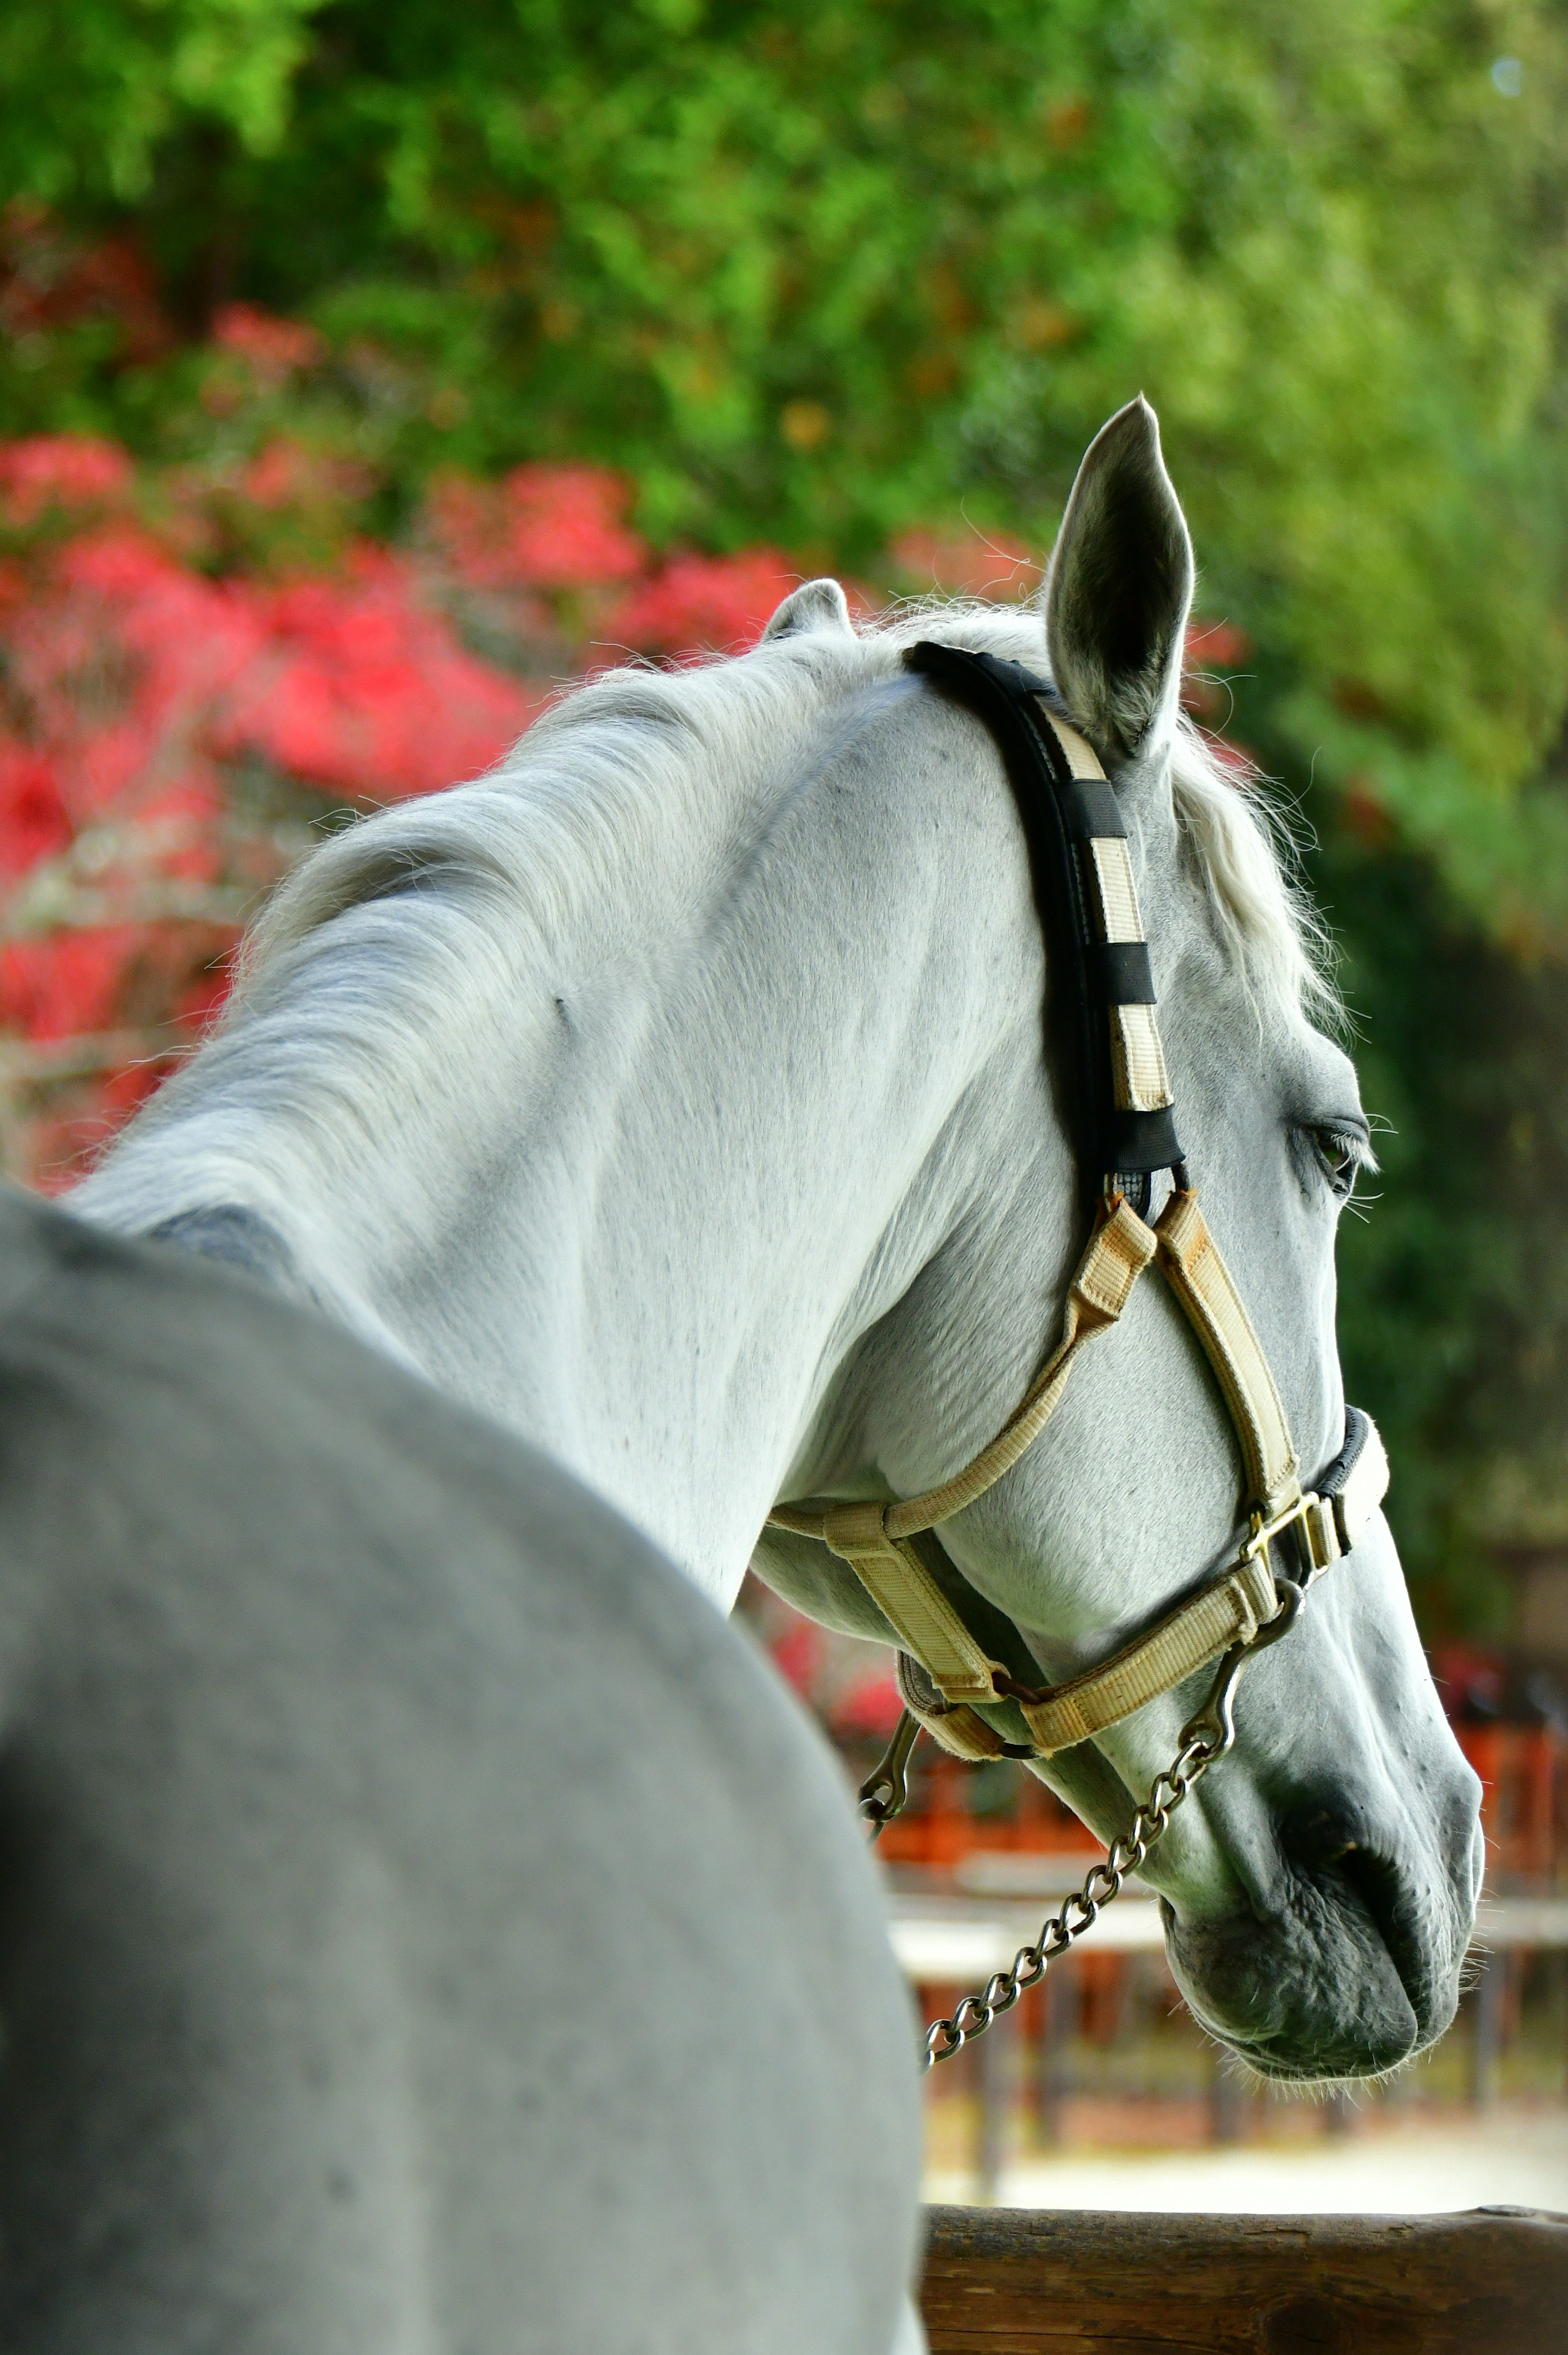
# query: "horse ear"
{"type": "Point", "coordinates": [1119, 587]}
{"type": "Point", "coordinates": [815, 606]}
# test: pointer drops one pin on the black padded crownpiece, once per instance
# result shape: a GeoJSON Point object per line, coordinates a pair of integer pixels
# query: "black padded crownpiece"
{"type": "Point", "coordinates": [1086, 975]}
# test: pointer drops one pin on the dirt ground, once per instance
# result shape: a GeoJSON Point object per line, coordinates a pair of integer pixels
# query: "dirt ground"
{"type": "Point", "coordinates": [1384, 2160]}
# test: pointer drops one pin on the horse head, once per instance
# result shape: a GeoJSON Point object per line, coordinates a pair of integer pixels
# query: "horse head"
{"type": "Point", "coordinates": [1318, 1889]}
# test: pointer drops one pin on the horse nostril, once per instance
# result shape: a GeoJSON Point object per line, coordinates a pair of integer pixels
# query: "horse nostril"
{"type": "Point", "coordinates": [1379, 1885]}
{"type": "Point", "coordinates": [1345, 1867]}
{"type": "Point", "coordinates": [1320, 1840]}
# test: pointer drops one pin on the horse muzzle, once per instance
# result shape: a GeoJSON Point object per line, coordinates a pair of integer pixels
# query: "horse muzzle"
{"type": "Point", "coordinates": [1353, 1966]}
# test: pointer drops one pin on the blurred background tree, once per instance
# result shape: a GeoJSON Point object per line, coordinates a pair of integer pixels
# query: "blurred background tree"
{"type": "Point", "coordinates": [857, 281]}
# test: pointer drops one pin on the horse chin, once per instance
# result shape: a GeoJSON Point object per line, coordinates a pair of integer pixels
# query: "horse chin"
{"type": "Point", "coordinates": [1337, 1985]}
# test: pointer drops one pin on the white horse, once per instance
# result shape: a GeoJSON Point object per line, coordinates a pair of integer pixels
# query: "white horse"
{"type": "Point", "coordinates": [425, 1928]}
{"type": "Point", "coordinates": [676, 1095]}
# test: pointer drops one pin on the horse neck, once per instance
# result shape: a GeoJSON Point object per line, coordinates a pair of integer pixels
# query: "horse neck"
{"type": "Point", "coordinates": [682, 1163]}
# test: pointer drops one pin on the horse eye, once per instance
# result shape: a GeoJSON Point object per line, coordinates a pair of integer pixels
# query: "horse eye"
{"type": "Point", "coordinates": [1340, 1155]}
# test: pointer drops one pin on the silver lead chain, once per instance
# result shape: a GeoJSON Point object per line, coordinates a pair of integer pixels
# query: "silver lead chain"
{"type": "Point", "coordinates": [1204, 1742]}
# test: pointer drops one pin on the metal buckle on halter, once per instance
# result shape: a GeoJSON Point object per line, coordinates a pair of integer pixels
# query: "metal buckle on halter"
{"type": "Point", "coordinates": [1265, 1532]}
{"type": "Point", "coordinates": [1320, 1529]}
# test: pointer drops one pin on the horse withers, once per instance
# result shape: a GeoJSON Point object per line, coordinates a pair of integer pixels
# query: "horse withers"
{"type": "Point", "coordinates": [425, 1925]}
{"type": "Point", "coordinates": [678, 1094]}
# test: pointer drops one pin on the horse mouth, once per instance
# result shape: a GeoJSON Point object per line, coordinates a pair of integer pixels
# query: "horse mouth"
{"type": "Point", "coordinates": [1351, 1975]}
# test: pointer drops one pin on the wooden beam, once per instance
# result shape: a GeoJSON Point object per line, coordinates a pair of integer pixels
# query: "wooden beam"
{"type": "Point", "coordinates": [1005, 2281]}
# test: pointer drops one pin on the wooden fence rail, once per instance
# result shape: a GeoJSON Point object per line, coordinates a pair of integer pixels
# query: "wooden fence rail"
{"type": "Point", "coordinates": [1002, 2281]}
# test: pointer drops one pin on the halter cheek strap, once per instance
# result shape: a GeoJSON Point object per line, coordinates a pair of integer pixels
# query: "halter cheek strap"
{"type": "Point", "coordinates": [1125, 1093]}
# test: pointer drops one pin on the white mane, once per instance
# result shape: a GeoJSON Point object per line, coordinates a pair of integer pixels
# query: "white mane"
{"type": "Point", "coordinates": [637, 757]}
{"type": "Point", "coordinates": [646, 792]}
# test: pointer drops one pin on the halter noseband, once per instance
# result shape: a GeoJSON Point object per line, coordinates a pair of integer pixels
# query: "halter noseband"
{"type": "Point", "coordinates": [1125, 1121]}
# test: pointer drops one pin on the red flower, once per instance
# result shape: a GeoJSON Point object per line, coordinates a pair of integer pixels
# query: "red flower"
{"type": "Point", "coordinates": [361, 688]}
{"type": "Point", "coordinates": [34, 822]}
{"type": "Point", "coordinates": [713, 603]}
{"type": "Point", "coordinates": [60, 470]}
{"type": "Point", "coordinates": [66, 982]}
{"type": "Point", "coordinates": [546, 527]}
{"type": "Point", "coordinates": [271, 347]}
{"type": "Point", "coordinates": [134, 684]}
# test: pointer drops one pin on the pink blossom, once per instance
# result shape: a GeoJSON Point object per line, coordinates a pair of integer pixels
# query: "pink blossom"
{"type": "Point", "coordinates": [567, 528]}
{"type": "Point", "coordinates": [135, 685]}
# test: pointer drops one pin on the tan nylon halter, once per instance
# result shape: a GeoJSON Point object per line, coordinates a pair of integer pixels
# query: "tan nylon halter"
{"type": "Point", "coordinates": [874, 1538]}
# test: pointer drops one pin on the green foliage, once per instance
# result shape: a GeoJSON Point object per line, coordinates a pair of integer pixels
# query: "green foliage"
{"type": "Point", "coordinates": [96, 92]}
{"type": "Point", "coordinates": [817, 273]}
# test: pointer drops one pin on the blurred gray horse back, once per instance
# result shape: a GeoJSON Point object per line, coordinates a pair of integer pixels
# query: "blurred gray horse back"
{"type": "Point", "coordinates": [425, 1925]}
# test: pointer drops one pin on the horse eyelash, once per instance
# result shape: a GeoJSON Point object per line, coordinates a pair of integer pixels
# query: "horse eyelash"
{"type": "Point", "coordinates": [1358, 1206]}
